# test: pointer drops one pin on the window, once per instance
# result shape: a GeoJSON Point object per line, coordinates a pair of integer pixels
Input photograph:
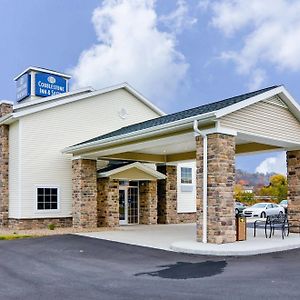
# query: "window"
{"type": "Point", "coordinates": [47, 198]}
{"type": "Point", "coordinates": [186, 175]}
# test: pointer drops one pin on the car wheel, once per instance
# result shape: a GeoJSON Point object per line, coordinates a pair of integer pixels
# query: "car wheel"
{"type": "Point", "coordinates": [263, 215]}
{"type": "Point", "coordinates": [236, 211]}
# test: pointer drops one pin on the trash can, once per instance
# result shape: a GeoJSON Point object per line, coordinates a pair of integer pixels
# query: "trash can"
{"type": "Point", "coordinates": [241, 228]}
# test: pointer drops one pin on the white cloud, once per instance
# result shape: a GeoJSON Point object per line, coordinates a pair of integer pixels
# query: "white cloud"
{"type": "Point", "coordinates": [276, 164]}
{"type": "Point", "coordinates": [131, 48]}
{"type": "Point", "coordinates": [258, 77]}
{"type": "Point", "coordinates": [269, 30]}
{"type": "Point", "coordinates": [204, 4]}
{"type": "Point", "coordinates": [179, 19]}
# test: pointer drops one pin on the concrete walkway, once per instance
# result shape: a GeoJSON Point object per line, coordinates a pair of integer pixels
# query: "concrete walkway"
{"type": "Point", "coordinates": [181, 238]}
{"type": "Point", "coordinates": [153, 236]}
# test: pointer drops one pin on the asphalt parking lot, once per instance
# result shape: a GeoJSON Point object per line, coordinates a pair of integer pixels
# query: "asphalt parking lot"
{"type": "Point", "coordinates": [76, 267]}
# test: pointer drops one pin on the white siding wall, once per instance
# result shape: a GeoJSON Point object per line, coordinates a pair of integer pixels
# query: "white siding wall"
{"type": "Point", "coordinates": [186, 200]}
{"type": "Point", "coordinates": [46, 133]}
{"type": "Point", "coordinates": [266, 118]}
{"type": "Point", "coordinates": [13, 170]}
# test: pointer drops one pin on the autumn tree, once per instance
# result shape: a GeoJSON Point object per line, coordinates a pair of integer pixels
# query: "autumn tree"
{"type": "Point", "coordinates": [241, 196]}
{"type": "Point", "coordinates": [277, 188]}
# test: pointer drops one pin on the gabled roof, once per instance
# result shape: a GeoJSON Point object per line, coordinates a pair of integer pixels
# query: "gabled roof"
{"type": "Point", "coordinates": [37, 105]}
{"type": "Point", "coordinates": [115, 169]}
{"type": "Point", "coordinates": [185, 114]}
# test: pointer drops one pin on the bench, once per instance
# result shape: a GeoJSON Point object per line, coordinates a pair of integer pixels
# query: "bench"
{"type": "Point", "coordinates": [273, 222]}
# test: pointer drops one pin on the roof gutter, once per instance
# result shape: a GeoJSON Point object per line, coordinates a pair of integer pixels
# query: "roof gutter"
{"type": "Point", "coordinates": [6, 118]}
{"type": "Point", "coordinates": [141, 133]}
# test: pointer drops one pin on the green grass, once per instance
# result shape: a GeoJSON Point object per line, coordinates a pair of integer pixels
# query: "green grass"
{"type": "Point", "coordinates": [10, 237]}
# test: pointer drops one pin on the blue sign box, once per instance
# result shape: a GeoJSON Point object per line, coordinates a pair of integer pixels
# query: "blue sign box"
{"type": "Point", "coordinates": [23, 87]}
{"type": "Point", "coordinates": [49, 85]}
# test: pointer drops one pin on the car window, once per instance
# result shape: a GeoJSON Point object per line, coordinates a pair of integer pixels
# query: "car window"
{"type": "Point", "coordinates": [269, 205]}
{"type": "Point", "coordinates": [259, 205]}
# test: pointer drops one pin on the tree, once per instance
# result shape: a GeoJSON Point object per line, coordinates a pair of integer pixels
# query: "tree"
{"type": "Point", "coordinates": [277, 188]}
{"type": "Point", "coordinates": [241, 196]}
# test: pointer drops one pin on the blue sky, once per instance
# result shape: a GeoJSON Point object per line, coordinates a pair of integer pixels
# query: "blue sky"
{"type": "Point", "coordinates": [179, 54]}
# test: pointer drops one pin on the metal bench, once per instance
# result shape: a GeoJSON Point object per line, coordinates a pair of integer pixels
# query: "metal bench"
{"type": "Point", "coordinates": [281, 222]}
{"type": "Point", "coordinates": [271, 223]}
{"type": "Point", "coordinates": [259, 224]}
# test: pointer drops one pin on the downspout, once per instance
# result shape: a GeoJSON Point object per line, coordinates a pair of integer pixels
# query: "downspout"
{"type": "Point", "coordinates": [204, 181]}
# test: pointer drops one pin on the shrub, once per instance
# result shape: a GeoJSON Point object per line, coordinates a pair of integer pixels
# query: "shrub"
{"type": "Point", "coordinates": [51, 226]}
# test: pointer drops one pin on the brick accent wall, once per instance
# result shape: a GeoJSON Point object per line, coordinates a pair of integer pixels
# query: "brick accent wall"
{"type": "Point", "coordinates": [108, 202]}
{"type": "Point", "coordinates": [4, 157]}
{"type": "Point", "coordinates": [167, 195]}
{"type": "Point", "coordinates": [148, 202]}
{"type": "Point", "coordinates": [19, 224]}
{"type": "Point", "coordinates": [293, 177]}
{"type": "Point", "coordinates": [221, 179]}
{"type": "Point", "coordinates": [84, 184]}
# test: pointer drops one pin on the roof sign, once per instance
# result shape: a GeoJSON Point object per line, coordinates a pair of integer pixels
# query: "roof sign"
{"type": "Point", "coordinates": [23, 87]}
{"type": "Point", "coordinates": [49, 85]}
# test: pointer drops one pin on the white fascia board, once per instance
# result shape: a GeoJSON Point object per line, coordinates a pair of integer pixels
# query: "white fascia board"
{"type": "Point", "coordinates": [232, 108]}
{"type": "Point", "coordinates": [7, 119]}
{"type": "Point", "coordinates": [55, 97]}
{"type": "Point", "coordinates": [292, 104]}
{"type": "Point", "coordinates": [151, 131]}
{"type": "Point", "coordinates": [36, 69]}
{"type": "Point", "coordinates": [219, 129]}
{"type": "Point", "coordinates": [257, 138]}
{"type": "Point", "coordinates": [137, 165]}
{"type": "Point", "coordinates": [133, 91]}
{"type": "Point", "coordinates": [72, 98]}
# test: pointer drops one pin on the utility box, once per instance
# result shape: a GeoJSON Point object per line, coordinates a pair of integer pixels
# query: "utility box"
{"type": "Point", "coordinates": [241, 228]}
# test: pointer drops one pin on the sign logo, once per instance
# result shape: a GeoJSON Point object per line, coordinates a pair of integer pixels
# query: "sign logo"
{"type": "Point", "coordinates": [49, 85]}
{"type": "Point", "coordinates": [23, 87]}
{"type": "Point", "coordinates": [51, 79]}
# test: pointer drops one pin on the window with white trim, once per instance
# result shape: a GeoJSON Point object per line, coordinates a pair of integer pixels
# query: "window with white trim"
{"type": "Point", "coordinates": [186, 175]}
{"type": "Point", "coordinates": [47, 198]}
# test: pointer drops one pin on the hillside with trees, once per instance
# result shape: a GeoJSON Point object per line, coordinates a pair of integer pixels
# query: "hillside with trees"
{"type": "Point", "coordinates": [255, 187]}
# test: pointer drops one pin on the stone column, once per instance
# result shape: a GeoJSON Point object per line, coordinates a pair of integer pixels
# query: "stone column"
{"type": "Point", "coordinates": [221, 180]}
{"type": "Point", "coordinates": [108, 202]}
{"type": "Point", "coordinates": [84, 184]}
{"type": "Point", "coordinates": [167, 195]}
{"type": "Point", "coordinates": [5, 108]}
{"type": "Point", "coordinates": [293, 177]}
{"type": "Point", "coordinates": [148, 202]}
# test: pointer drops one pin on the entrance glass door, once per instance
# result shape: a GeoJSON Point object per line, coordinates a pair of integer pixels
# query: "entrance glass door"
{"type": "Point", "coordinates": [128, 205]}
{"type": "Point", "coordinates": [133, 205]}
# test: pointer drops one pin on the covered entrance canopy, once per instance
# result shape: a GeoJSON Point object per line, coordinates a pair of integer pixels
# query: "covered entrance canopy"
{"type": "Point", "coordinates": [212, 134]}
{"type": "Point", "coordinates": [132, 178]}
{"type": "Point", "coordinates": [135, 171]}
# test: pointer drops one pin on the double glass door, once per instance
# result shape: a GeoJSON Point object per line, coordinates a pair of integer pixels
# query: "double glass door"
{"type": "Point", "coordinates": [128, 205]}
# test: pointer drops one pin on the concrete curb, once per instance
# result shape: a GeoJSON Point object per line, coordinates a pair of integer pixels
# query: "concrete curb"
{"type": "Point", "coordinates": [224, 250]}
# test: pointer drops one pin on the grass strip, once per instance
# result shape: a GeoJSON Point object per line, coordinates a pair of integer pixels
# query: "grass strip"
{"type": "Point", "coordinates": [10, 237]}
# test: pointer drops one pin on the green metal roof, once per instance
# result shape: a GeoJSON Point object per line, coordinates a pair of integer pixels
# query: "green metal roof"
{"type": "Point", "coordinates": [196, 111]}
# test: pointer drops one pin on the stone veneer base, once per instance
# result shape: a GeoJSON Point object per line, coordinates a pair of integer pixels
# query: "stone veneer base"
{"type": "Point", "coordinates": [186, 218]}
{"type": "Point", "coordinates": [41, 223]}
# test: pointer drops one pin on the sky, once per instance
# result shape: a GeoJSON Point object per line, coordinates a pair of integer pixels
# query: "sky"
{"type": "Point", "coordinates": [178, 53]}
